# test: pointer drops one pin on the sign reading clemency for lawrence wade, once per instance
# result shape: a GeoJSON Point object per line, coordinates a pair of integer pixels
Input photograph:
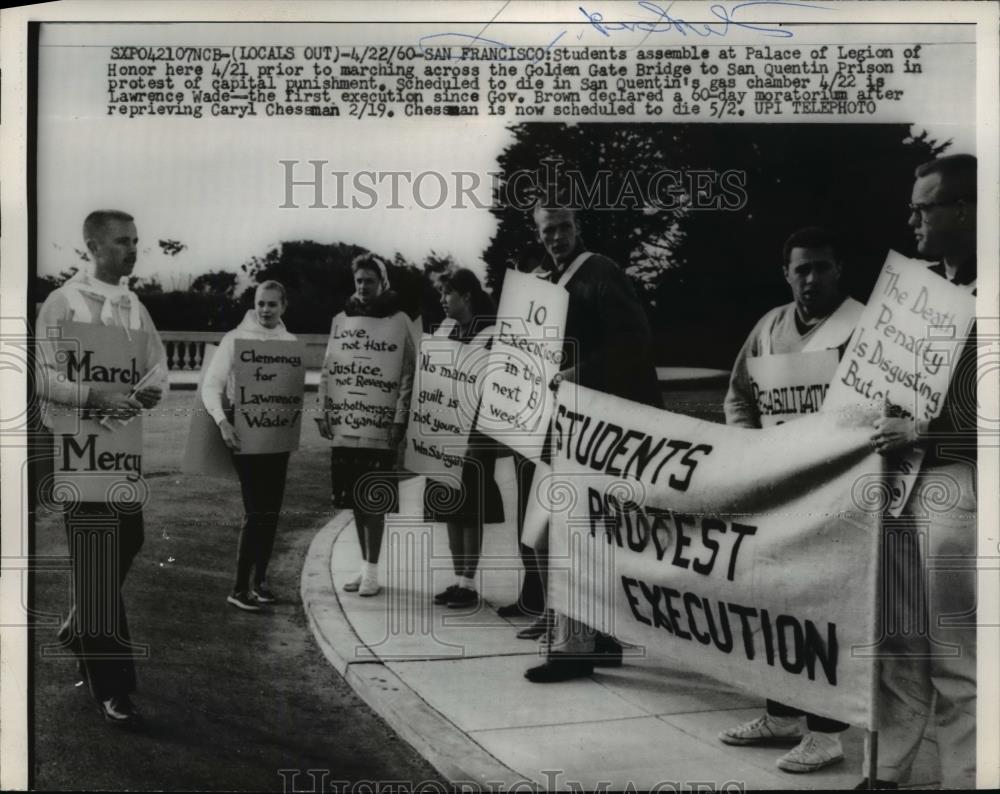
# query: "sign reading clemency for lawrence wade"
{"type": "Point", "coordinates": [98, 462]}
{"type": "Point", "coordinates": [270, 381]}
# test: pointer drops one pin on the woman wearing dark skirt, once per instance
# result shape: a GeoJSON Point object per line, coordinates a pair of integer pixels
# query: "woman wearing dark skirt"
{"type": "Point", "coordinates": [262, 476]}
{"type": "Point", "coordinates": [478, 501]}
{"type": "Point", "coordinates": [362, 469]}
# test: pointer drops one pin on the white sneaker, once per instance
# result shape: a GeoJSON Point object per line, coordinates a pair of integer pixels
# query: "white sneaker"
{"type": "Point", "coordinates": [352, 585]}
{"type": "Point", "coordinates": [369, 584]}
{"type": "Point", "coordinates": [763, 730]}
{"type": "Point", "coordinates": [814, 752]}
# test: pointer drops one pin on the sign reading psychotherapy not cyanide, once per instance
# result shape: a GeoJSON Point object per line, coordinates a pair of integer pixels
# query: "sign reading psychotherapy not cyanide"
{"type": "Point", "coordinates": [361, 374]}
{"type": "Point", "coordinates": [736, 552]}
{"type": "Point", "coordinates": [527, 354]}
{"type": "Point", "coordinates": [98, 461]}
{"type": "Point", "coordinates": [270, 380]}
{"type": "Point", "coordinates": [786, 386]}
{"type": "Point", "coordinates": [446, 391]}
{"type": "Point", "coordinates": [903, 353]}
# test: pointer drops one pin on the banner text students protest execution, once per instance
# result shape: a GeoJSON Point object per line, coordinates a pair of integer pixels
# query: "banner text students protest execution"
{"type": "Point", "coordinates": [931, 675]}
{"type": "Point", "coordinates": [364, 397]}
{"type": "Point", "coordinates": [262, 475]}
{"type": "Point", "coordinates": [100, 363]}
{"type": "Point", "coordinates": [793, 350]}
{"type": "Point", "coordinates": [607, 347]}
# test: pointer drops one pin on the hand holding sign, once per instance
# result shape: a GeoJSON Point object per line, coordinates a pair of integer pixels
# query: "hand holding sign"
{"type": "Point", "coordinates": [149, 396]}
{"type": "Point", "coordinates": [113, 405]}
{"type": "Point", "coordinates": [229, 435]}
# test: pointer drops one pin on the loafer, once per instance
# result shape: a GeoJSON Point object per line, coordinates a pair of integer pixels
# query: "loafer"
{"type": "Point", "coordinates": [607, 652]}
{"type": "Point", "coordinates": [516, 610]}
{"type": "Point", "coordinates": [444, 595]}
{"type": "Point", "coordinates": [537, 629]}
{"type": "Point", "coordinates": [463, 597]}
{"type": "Point", "coordinates": [888, 785]}
{"type": "Point", "coordinates": [119, 710]}
{"type": "Point", "coordinates": [556, 669]}
{"type": "Point", "coordinates": [263, 593]}
{"type": "Point", "coordinates": [243, 600]}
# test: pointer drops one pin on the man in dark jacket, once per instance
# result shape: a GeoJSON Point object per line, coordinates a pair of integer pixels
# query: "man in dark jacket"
{"type": "Point", "coordinates": [608, 347]}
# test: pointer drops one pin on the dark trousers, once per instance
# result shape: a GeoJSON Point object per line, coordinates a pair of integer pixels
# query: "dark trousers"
{"type": "Point", "coordinates": [813, 722]}
{"type": "Point", "coordinates": [532, 597]}
{"type": "Point", "coordinates": [262, 483]}
{"type": "Point", "coordinates": [103, 540]}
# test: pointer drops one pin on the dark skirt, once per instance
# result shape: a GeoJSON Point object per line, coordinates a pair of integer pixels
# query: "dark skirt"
{"type": "Point", "coordinates": [477, 498]}
{"type": "Point", "coordinates": [364, 479]}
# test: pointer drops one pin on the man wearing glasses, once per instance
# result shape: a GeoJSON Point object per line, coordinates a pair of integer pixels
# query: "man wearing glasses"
{"type": "Point", "coordinates": [931, 675]}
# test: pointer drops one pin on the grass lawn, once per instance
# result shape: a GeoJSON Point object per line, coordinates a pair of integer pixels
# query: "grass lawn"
{"type": "Point", "coordinates": [229, 697]}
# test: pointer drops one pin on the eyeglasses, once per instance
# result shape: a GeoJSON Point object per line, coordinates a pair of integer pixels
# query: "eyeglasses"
{"type": "Point", "coordinates": [922, 209]}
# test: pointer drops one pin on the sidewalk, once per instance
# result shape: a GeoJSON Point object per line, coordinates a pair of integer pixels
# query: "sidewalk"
{"type": "Point", "coordinates": [451, 682]}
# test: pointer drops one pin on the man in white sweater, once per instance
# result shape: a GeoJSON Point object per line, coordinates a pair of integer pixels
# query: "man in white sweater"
{"type": "Point", "coordinates": [97, 531]}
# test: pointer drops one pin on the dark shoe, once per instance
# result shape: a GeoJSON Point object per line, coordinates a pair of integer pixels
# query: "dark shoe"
{"type": "Point", "coordinates": [607, 652]}
{"type": "Point", "coordinates": [263, 593]}
{"type": "Point", "coordinates": [119, 710]}
{"type": "Point", "coordinates": [243, 600]}
{"type": "Point", "coordinates": [883, 784]}
{"type": "Point", "coordinates": [445, 595]}
{"type": "Point", "coordinates": [515, 610]}
{"type": "Point", "coordinates": [556, 669]}
{"type": "Point", "coordinates": [463, 597]}
{"type": "Point", "coordinates": [536, 629]}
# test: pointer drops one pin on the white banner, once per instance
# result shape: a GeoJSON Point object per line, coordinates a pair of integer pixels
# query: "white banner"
{"type": "Point", "coordinates": [270, 381]}
{"type": "Point", "coordinates": [747, 555]}
{"type": "Point", "coordinates": [903, 352]}
{"type": "Point", "coordinates": [361, 373]}
{"type": "Point", "coordinates": [527, 353]}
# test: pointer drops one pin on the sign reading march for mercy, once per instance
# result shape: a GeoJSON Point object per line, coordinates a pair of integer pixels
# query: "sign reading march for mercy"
{"type": "Point", "coordinates": [361, 374]}
{"type": "Point", "coordinates": [270, 381]}
{"type": "Point", "coordinates": [447, 387]}
{"type": "Point", "coordinates": [96, 463]}
{"type": "Point", "coordinates": [903, 352]}
{"type": "Point", "coordinates": [745, 554]}
{"type": "Point", "coordinates": [788, 385]}
{"type": "Point", "coordinates": [527, 353]}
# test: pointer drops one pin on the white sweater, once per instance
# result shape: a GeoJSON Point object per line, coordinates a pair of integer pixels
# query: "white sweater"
{"type": "Point", "coordinates": [219, 376]}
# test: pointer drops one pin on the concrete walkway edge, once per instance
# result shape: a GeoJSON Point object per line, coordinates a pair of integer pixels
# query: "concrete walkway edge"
{"type": "Point", "coordinates": [445, 746]}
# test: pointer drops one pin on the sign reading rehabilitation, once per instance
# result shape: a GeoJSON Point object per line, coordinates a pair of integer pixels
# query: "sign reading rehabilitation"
{"type": "Point", "coordinates": [903, 352]}
{"type": "Point", "coordinates": [446, 393]}
{"type": "Point", "coordinates": [361, 373]}
{"type": "Point", "coordinates": [95, 461]}
{"type": "Point", "coordinates": [270, 381]}
{"type": "Point", "coordinates": [788, 385]}
{"type": "Point", "coordinates": [527, 352]}
{"type": "Point", "coordinates": [740, 553]}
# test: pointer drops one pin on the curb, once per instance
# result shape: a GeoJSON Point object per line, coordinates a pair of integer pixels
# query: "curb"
{"type": "Point", "coordinates": [459, 759]}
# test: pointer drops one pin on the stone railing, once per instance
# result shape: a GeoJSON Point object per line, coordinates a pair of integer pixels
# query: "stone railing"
{"type": "Point", "coordinates": [186, 349]}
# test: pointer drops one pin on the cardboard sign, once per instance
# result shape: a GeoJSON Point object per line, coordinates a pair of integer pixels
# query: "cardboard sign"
{"type": "Point", "coordinates": [446, 391]}
{"type": "Point", "coordinates": [361, 374]}
{"type": "Point", "coordinates": [789, 385]}
{"type": "Point", "coordinates": [903, 352]}
{"type": "Point", "coordinates": [746, 555]}
{"type": "Point", "coordinates": [205, 453]}
{"type": "Point", "coordinates": [270, 380]}
{"type": "Point", "coordinates": [94, 462]}
{"type": "Point", "coordinates": [527, 353]}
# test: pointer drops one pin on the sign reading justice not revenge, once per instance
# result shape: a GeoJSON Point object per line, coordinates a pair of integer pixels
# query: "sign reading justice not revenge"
{"type": "Point", "coordinates": [361, 374]}
{"type": "Point", "coordinates": [527, 353]}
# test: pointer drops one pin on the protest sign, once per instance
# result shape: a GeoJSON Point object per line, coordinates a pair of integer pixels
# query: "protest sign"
{"type": "Point", "coordinates": [527, 353]}
{"type": "Point", "coordinates": [446, 389]}
{"type": "Point", "coordinates": [789, 385]}
{"type": "Point", "coordinates": [94, 462]}
{"type": "Point", "coordinates": [205, 453]}
{"type": "Point", "coordinates": [747, 555]}
{"type": "Point", "coordinates": [361, 374]}
{"type": "Point", "coordinates": [903, 352]}
{"type": "Point", "coordinates": [270, 379]}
